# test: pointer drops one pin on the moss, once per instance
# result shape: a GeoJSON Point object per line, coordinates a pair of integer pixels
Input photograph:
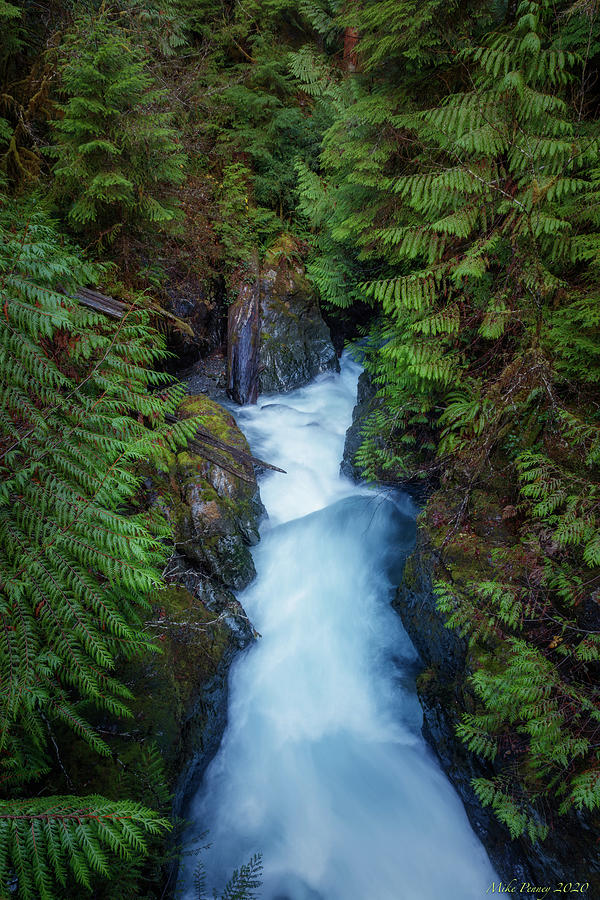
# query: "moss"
{"type": "Point", "coordinates": [215, 419]}
{"type": "Point", "coordinates": [410, 577]}
{"type": "Point", "coordinates": [210, 511]}
{"type": "Point", "coordinates": [425, 681]}
{"type": "Point", "coordinates": [166, 687]}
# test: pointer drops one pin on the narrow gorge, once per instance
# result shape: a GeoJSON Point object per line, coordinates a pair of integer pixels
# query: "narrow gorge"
{"type": "Point", "coordinates": [322, 766]}
{"type": "Point", "coordinates": [299, 449]}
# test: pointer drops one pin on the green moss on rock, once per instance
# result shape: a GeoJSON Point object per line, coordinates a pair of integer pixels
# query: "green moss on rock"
{"type": "Point", "coordinates": [213, 512]}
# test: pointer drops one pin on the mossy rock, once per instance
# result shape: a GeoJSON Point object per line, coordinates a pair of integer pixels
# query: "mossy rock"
{"type": "Point", "coordinates": [214, 513]}
{"type": "Point", "coordinates": [216, 419]}
{"type": "Point", "coordinates": [462, 555]}
{"type": "Point", "coordinates": [295, 343]}
{"type": "Point", "coordinates": [169, 727]}
{"type": "Point", "coordinates": [191, 642]}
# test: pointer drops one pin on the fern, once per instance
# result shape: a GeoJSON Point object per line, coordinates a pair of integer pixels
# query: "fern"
{"type": "Point", "coordinates": [80, 407]}
{"type": "Point", "coordinates": [42, 840]}
{"type": "Point", "coordinates": [461, 202]}
{"type": "Point", "coordinates": [243, 883]}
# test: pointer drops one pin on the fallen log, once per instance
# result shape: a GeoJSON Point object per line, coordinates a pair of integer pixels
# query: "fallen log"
{"type": "Point", "coordinates": [116, 309]}
{"type": "Point", "coordinates": [101, 303]}
{"type": "Point", "coordinates": [204, 438]}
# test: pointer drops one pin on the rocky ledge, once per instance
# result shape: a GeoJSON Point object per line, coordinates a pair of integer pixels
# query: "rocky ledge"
{"type": "Point", "coordinates": [367, 403]}
{"type": "Point", "coordinates": [178, 698]}
{"type": "Point", "coordinates": [215, 515]}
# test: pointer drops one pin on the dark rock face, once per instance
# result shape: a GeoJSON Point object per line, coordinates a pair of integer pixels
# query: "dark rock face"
{"type": "Point", "coordinates": [278, 340]}
{"type": "Point", "coordinates": [215, 517]}
{"type": "Point", "coordinates": [204, 718]}
{"type": "Point", "coordinates": [200, 308]}
{"type": "Point", "coordinates": [207, 376]}
{"type": "Point", "coordinates": [214, 513]}
{"type": "Point", "coordinates": [295, 343]}
{"type": "Point", "coordinates": [365, 404]}
{"type": "Point", "coordinates": [243, 341]}
{"type": "Point", "coordinates": [570, 852]}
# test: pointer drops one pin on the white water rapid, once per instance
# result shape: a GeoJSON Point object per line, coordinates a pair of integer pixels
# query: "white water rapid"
{"type": "Point", "coordinates": [322, 767]}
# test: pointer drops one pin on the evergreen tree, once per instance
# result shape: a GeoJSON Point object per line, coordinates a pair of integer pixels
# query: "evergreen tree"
{"type": "Point", "coordinates": [118, 158]}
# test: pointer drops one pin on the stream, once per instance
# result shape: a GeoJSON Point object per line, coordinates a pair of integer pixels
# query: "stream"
{"type": "Point", "coordinates": [322, 767]}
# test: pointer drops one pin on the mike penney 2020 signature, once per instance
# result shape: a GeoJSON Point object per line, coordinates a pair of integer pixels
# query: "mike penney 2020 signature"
{"type": "Point", "coordinates": [535, 891]}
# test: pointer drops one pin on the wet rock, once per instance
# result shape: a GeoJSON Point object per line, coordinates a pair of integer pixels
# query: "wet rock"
{"type": "Point", "coordinates": [570, 853]}
{"type": "Point", "coordinates": [295, 343]}
{"type": "Point", "coordinates": [215, 516]}
{"type": "Point", "coordinates": [207, 376]}
{"type": "Point", "coordinates": [214, 512]}
{"type": "Point", "coordinates": [277, 339]}
{"type": "Point", "coordinates": [365, 405]}
{"type": "Point", "coordinates": [243, 340]}
{"type": "Point", "coordinates": [202, 719]}
{"type": "Point", "coordinates": [201, 311]}
{"type": "Point", "coordinates": [180, 694]}
{"type": "Point", "coordinates": [207, 534]}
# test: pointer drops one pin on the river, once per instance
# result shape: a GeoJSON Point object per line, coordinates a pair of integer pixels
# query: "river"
{"type": "Point", "coordinates": [322, 767]}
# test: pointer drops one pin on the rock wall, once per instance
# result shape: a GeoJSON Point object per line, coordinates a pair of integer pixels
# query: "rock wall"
{"type": "Point", "coordinates": [570, 852]}
{"type": "Point", "coordinates": [196, 318]}
{"type": "Point", "coordinates": [215, 516]}
{"type": "Point", "coordinates": [365, 404]}
{"type": "Point", "coordinates": [295, 343]}
{"type": "Point", "coordinates": [278, 340]}
{"type": "Point", "coordinates": [179, 696]}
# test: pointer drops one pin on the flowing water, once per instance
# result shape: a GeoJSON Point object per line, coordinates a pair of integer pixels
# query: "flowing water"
{"type": "Point", "coordinates": [322, 767]}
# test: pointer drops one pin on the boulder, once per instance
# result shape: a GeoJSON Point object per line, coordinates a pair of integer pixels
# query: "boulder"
{"type": "Point", "coordinates": [180, 694]}
{"type": "Point", "coordinates": [295, 343]}
{"type": "Point", "coordinates": [214, 512]}
{"type": "Point", "coordinates": [278, 340]}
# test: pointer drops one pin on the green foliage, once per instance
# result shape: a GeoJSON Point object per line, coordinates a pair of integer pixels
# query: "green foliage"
{"type": "Point", "coordinates": [79, 407]}
{"type": "Point", "coordinates": [11, 18]}
{"type": "Point", "coordinates": [269, 127]}
{"type": "Point", "coordinates": [41, 840]}
{"type": "Point", "coordinates": [416, 35]}
{"type": "Point", "coordinates": [118, 158]}
{"type": "Point", "coordinates": [241, 224]}
{"type": "Point", "coordinates": [457, 193]}
{"type": "Point", "coordinates": [241, 886]}
{"type": "Point", "coordinates": [253, 121]}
